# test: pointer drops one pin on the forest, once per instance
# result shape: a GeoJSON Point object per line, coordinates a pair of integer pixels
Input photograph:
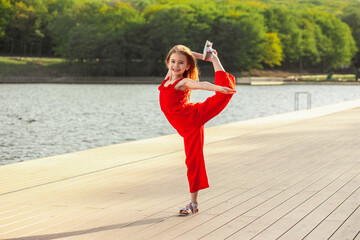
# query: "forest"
{"type": "Point", "coordinates": [132, 37]}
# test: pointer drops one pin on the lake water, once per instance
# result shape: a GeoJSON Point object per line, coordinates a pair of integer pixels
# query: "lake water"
{"type": "Point", "coordinates": [40, 120]}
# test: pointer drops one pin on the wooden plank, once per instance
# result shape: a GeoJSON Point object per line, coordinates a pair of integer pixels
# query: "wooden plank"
{"type": "Point", "coordinates": [311, 212]}
{"type": "Point", "coordinates": [349, 228]}
{"type": "Point", "coordinates": [340, 208]}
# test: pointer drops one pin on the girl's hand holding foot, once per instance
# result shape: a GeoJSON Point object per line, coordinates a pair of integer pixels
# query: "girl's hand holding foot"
{"type": "Point", "coordinates": [226, 90]}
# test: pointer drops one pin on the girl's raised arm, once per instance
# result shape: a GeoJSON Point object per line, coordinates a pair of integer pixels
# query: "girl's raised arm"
{"type": "Point", "coordinates": [197, 55]}
{"type": "Point", "coordinates": [215, 60]}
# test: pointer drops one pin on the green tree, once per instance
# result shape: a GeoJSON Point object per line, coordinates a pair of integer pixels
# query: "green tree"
{"type": "Point", "coordinates": [99, 36]}
{"type": "Point", "coordinates": [25, 30]}
{"type": "Point", "coordinates": [59, 30]}
{"type": "Point", "coordinates": [308, 51]}
{"type": "Point", "coordinates": [241, 40]}
{"type": "Point", "coordinates": [284, 22]}
{"type": "Point", "coordinates": [140, 5]}
{"type": "Point", "coordinates": [122, 42]}
{"type": "Point", "coordinates": [71, 27]}
{"type": "Point", "coordinates": [272, 50]}
{"type": "Point", "coordinates": [6, 12]}
{"type": "Point", "coordinates": [352, 18]}
{"type": "Point", "coordinates": [334, 42]}
{"type": "Point", "coordinates": [188, 24]}
{"type": "Point", "coordinates": [83, 43]}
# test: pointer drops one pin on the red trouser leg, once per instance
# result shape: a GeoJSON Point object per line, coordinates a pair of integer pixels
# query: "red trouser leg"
{"type": "Point", "coordinates": [215, 104]}
{"type": "Point", "coordinates": [196, 172]}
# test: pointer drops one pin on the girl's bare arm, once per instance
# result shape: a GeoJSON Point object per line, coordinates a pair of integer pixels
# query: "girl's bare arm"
{"type": "Point", "coordinates": [197, 55]}
{"type": "Point", "coordinates": [215, 60]}
{"type": "Point", "coordinates": [189, 84]}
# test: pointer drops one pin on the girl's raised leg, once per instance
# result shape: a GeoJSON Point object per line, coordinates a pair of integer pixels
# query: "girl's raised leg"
{"type": "Point", "coordinates": [213, 105]}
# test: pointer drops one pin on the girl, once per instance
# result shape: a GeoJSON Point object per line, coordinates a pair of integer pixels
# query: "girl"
{"type": "Point", "coordinates": [189, 118]}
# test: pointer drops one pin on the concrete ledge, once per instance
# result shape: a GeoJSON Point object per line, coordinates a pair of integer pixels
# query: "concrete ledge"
{"type": "Point", "coordinates": [260, 80]}
{"type": "Point", "coordinates": [242, 127]}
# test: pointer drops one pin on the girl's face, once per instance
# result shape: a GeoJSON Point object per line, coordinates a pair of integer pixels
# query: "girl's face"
{"type": "Point", "coordinates": [177, 64]}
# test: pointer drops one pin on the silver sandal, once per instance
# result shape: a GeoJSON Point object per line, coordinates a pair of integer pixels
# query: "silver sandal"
{"type": "Point", "coordinates": [191, 208]}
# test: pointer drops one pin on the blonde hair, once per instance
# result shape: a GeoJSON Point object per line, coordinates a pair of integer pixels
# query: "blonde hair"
{"type": "Point", "coordinates": [193, 72]}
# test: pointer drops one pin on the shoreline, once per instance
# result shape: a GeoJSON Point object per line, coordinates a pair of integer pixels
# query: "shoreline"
{"type": "Point", "coordinates": [23, 70]}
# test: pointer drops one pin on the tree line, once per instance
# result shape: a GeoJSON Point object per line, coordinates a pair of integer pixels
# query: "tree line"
{"type": "Point", "coordinates": [132, 37]}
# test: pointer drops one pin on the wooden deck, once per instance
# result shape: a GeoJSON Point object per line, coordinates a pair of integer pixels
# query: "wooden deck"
{"type": "Point", "coordinates": [290, 176]}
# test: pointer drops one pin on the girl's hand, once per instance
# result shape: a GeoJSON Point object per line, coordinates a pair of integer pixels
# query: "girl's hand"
{"type": "Point", "coordinates": [214, 55]}
{"type": "Point", "coordinates": [200, 56]}
{"type": "Point", "coordinates": [226, 90]}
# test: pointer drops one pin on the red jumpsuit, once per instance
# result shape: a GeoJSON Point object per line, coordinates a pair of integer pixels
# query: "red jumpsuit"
{"type": "Point", "coordinates": [189, 119]}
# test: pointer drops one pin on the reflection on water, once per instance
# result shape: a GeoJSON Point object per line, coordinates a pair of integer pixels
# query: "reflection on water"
{"type": "Point", "coordinates": [39, 120]}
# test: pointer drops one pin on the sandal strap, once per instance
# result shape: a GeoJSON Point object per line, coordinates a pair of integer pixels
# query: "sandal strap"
{"type": "Point", "coordinates": [187, 210]}
{"type": "Point", "coordinates": [190, 208]}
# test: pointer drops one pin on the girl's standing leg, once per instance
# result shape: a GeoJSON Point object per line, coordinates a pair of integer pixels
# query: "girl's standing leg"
{"type": "Point", "coordinates": [196, 172]}
{"type": "Point", "coordinates": [194, 197]}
